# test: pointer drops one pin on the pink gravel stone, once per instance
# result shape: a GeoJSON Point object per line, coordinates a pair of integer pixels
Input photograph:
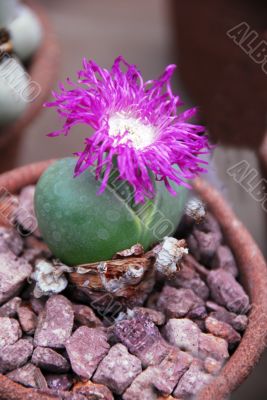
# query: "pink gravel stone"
{"type": "Point", "coordinates": [55, 323]}
{"type": "Point", "coordinates": [15, 355]}
{"type": "Point", "coordinates": [183, 333]}
{"type": "Point", "coordinates": [177, 303]}
{"type": "Point", "coordinates": [204, 245]}
{"type": "Point", "coordinates": [91, 391]}
{"type": "Point", "coordinates": [59, 381]}
{"type": "Point", "coordinates": [38, 305]}
{"type": "Point", "coordinates": [226, 291]}
{"type": "Point", "coordinates": [13, 274]}
{"type": "Point", "coordinates": [212, 366]}
{"type": "Point", "coordinates": [170, 370]}
{"type": "Point", "coordinates": [10, 331]}
{"type": "Point", "coordinates": [27, 319]}
{"type": "Point", "coordinates": [10, 240]}
{"type": "Point", "coordinates": [159, 380]}
{"type": "Point", "coordinates": [209, 224]}
{"type": "Point", "coordinates": [238, 322]}
{"type": "Point", "coordinates": [188, 278]}
{"type": "Point", "coordinates": [86, 348]}
{"type": "Point", "coordinates": [29, 338]}
{"type": "Point", "coordinates": [155, 354]}
{"type": "Point", "coordinates": [223, 330]}
{"type": "Point", "coordinates": [118, 369]}
{"type": "Point", "coordinates": [50, 360]}
{"type": "Point", "coordinates": [212, 346]}
{"type": "Point", "coordinates": [155, 316]}
{"type": "Point", "coordinates": [142, 387]}
{"type": "Point", "coordinates": [192, 381]}
{"type": "Point", "coordinates": [28, 375]}
{"type": "Point", "coordinates": [84, 315]}
{"type": "Point", "coordinates": [142, 338]}
{"type": "Point", "coordinates": [10, 308]}
{"type": "Point", "coordinates": [223, 258]}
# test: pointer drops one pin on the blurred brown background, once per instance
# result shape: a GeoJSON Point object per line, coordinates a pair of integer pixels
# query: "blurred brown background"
{"type": "Point", "coordinates": [145, 32]}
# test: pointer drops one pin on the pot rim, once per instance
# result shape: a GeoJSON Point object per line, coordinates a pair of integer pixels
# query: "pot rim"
{"type": "Point", "coordinates": [251, 265]}
{"type": "Point", "coordinates": [42, 69]}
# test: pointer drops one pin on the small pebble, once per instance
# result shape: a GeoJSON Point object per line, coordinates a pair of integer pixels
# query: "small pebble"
{"type": "Point", "coordinates": [212, 366]}
{"type": "Point", "coordinates": [192, 381]}
{"type": "Point", "coordinates": [49, 360]}
{"type": "Point", "coordinates": [177, 303]}
{"type": "Point", "coordinates": [10, 331]}
{"type": "Point", "coordinates": [224, 259]}
{"type": "Point", "coordinates": [226, 291]}
{"type": "Point", "coordinates": [92, 391]}
{"type": "Point", "coordinates": [13, 274]}
{"type": "Point", "coordinates": [188, 278]}
{"type": "Point", "coordinates": [15, 355]}
{"type": "Point", "coordinates": [142, 338]}
{"type": "Point", "coordinates": [59, 381]}
{"type": "Point", "coordinates": [238, 322]}
{"type": "Point", "coordinates": [209, 224]}
{"type": "Point", "coordinates": [28, 375]}
{"type": "Point", "coordinates": [86, 348]}
{"type": "Point", "coordinates": [170, 370]}
{"type": "Point", "coordinates": [118, 369]}
{"type": "Point", "coordinates": [183, 333]}
{"type": "Point", "coordinates": [38, 305]}
{"type": "Point", "coordinates": [10, 240]}
{"type": "Point", "coordinates": [223, 330]}
{"type": "Point", "coordinates": [27, 319]}
{"type": "Point", "coordinates": [29, 338]}
{"type": "Point", "coordinates": [203, 245]}
{"type": "Point", "coordinates": [84, 315]}
{"type": "Point", "coordinates": [155, 316]}
{"type": "Point", "coordinates": [55, 323]}
{"type": "Point", "coordinates": [10, 308]}
{"type": "Point", "coordinates": [142, 387]}
{"type": "Point", "coordinates": [212, 346]}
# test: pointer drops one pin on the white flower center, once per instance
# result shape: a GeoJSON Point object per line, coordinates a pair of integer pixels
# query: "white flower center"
{"type": "Point", "coordinates": [132, 129]}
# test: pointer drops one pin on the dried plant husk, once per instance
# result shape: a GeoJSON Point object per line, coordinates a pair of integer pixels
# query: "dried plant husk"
{"type": "Point", "coordinates": [128, 279]}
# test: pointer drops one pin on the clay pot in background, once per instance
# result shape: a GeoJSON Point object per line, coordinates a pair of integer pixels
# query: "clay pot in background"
{"type": "Point", "coordinates": [253, 272]}
{"type": "Point", "coordinates": [43, 70]}
{"type": "Point", "coordinates": [262, 158]}
{"type": "Point", "coordinates": [222, 79]}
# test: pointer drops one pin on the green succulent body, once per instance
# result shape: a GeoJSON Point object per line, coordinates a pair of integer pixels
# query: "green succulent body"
{"type": "Point", "coordinates": [80, 226]}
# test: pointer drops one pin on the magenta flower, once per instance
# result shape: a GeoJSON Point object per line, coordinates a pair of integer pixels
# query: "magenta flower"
{"type": "Point", "coordinates": [134, 122]}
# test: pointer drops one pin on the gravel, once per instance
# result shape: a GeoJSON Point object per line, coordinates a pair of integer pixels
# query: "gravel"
{"type": "Point", "coordinates": [169, 347]}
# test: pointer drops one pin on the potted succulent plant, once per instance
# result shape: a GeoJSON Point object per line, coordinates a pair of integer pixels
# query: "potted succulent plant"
{"type": "Point", "coordinates": [28, 64]}
{"type": "Point", "coordinates": [114, 306]}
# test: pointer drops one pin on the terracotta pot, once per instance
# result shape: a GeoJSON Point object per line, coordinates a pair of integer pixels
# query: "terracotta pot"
{"type": "Point", "coordinates": [252, 268]}
{"type": "Point", "coordinates": [222, 79]}
{"type": "Point", "coordinates": [43, 70]}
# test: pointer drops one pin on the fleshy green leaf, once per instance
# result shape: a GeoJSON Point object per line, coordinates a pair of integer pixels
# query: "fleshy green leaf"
{"type": "Point", "coordinates": [80, 226]}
